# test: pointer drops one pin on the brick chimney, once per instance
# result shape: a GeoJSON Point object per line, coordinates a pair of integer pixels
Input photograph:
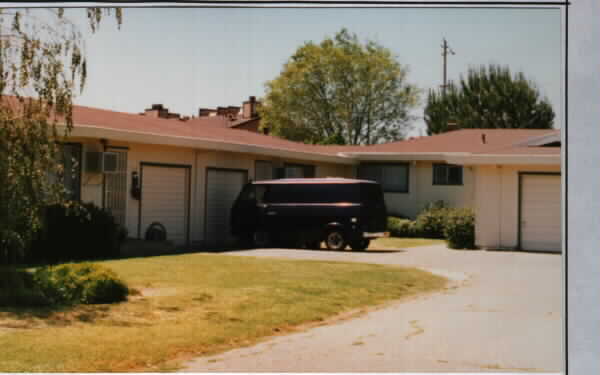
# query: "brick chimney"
{"type": "Point", "coordinates": [249, 108]}
{"type": "Point", "coordinates": [206, 112]}
{"type": "Point", "coordinates": [159, 111]}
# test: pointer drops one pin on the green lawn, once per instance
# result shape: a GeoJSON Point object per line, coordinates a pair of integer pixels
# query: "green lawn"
{"type": "Point", "coordinates": [195, 304]}
{"type": "Point", "coordinates": [391, 243]}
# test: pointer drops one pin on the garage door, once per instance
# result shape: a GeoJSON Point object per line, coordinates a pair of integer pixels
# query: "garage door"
{"type": "Point", "coordinates": [540, 212]}
{"type": "Point", "coordinates": [165, 198]}
{"type": "Point", "coordinates": [222, 188]}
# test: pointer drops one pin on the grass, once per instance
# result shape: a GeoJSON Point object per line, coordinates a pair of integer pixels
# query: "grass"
{"type": "Point", "coordinates": [402, 243]}
{"type": "Point", "coordinates": [195, 304]}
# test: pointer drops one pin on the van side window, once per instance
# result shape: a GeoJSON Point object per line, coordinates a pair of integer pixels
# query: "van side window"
{"type": "Point", "coordinates": [274, 194]}
{"type": "Point", "coordinates": [313, 193]}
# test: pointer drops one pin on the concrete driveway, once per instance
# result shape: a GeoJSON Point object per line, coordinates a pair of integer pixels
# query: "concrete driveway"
{"type": "Point", "coordinates": [502, 313]}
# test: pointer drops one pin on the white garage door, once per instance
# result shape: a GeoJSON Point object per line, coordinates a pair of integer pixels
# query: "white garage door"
{"type": "Point", "coordinates": [165, 200]}
{"type": "Point", "coordinates": [540, 212]}
{"type": "Point", "coordinates": [222, 188]}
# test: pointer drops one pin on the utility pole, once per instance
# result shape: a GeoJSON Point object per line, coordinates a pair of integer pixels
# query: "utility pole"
{"type": "Point", "coordinates": [445, 51]}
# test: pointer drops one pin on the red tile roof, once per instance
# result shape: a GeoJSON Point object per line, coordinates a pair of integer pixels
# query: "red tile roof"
{"type": "Point", "coordinates": [208, 129]}
{"type": "Point", "coordinates": [476, 141]}
{"type": "Point", "coordinates": [479, 141]}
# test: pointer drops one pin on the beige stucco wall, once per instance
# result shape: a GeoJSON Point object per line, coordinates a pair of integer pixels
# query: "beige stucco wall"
{"type": "Point", "coordinates": [91, 184]}
{"type": "Point", "coordinates": [496, 204]}
{"type": "Point", "coordinates": [199, 160]}
{"type": "Point", "coordinates": [491, 190]}
{"type": "Point", "coordinates": [421, 191]}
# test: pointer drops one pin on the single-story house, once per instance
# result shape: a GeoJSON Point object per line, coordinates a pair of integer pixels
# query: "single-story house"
{"type": "Point", "coordinates": [190, 170]}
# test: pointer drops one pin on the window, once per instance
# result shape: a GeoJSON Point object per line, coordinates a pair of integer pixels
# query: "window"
{"type": "Point", "coordinates": [392, 177]}
{"type": "Point", "coordinates": [447, 174]}
{"type": "Point", "coordinates": [263, 170]}
{"type": "Point", "coordinates": [299, 171]}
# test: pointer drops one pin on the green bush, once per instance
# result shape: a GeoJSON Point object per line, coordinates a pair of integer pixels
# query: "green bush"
{"type": "Point", "coordinates": [18, 288]}
{"type": "Point", "coordinates": [77, 232]}
{"type": "Point", "coordinates": [456, 225]}
{"type": "Point", "coordinates": [402, 227]}
{"type": "Point", "coordinates": [80, 283]}
{"type": "Point", "coordinates": [432, 220]}
{"type": "Point", "coordinates": [460, 229]}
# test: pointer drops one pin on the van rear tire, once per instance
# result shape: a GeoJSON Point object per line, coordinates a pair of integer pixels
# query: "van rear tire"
{"type": "Point", "coordinates": [336, 239]}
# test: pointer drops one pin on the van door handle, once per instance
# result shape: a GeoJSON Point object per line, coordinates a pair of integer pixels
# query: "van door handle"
{"type": "Point", "coordinates": [271, 213]}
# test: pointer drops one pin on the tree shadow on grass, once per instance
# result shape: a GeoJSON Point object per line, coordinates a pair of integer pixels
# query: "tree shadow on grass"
{"type": "Point", "coordinates": [55, 316]}
{"type": "Point", "coordinates": [322, 249]}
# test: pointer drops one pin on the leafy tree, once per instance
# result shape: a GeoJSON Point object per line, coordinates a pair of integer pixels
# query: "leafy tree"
{"type": "Point", "coordinates": [340, 92]}
{"type": "Point", "coordinates": [488, 98]}
{"type": "Point", "coordinates": [42, 64]}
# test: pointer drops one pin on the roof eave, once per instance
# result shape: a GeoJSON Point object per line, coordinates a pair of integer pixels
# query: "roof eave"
{"type": "Point", "coordinates": [401, 156]}
{"type": "Point", "coordinates": [515, 159]}
{"type": "Point", "coordinates": [85, 130]}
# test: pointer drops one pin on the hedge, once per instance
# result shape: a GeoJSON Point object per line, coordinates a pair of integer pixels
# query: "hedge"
{"type": "Point", "coordinates": [460, 229]}
{"type": "Point", "coordinates": [77, 232]}
{"type": "Point", "coordinates": [85, 283]}
{"type": "Point", "coordinates": [66, 284]}
{"type": "Point", "coordinates": [456, 225]}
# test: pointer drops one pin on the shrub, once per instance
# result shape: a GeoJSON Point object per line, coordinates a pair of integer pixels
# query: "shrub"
{"type": "Point", "coordinates": [456, 225]}
{"type": "Point", "coordinates": [18, 288]}
{"type": "Point", "coordinates": [80, 283]}
{"type": "Point", "coordinates": [402, 227]}
{"type": "Point", "coordinates": [431, 221]}
{"type": "Point", "coordinates": [460, 229]}
{"type": "Point", "coordinates": [77, 232]}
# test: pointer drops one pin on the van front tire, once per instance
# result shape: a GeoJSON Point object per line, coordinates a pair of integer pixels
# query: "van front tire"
{"type": "Point", "coordinates": [336, 239]}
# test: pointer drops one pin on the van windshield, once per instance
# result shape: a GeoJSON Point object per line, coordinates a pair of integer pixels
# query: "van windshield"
{"type": "Point", "coordinates": [253, 193]}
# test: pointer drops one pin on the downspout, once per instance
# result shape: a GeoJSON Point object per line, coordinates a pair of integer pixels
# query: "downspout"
{"type": "Point", "coordinates": [414, 189]}
{"type": "Point", "coordinates": [195, 199]}
{"type": "Point", "coordinates": [500, 214]}
{"type": "Point", "coordinates": [104, 143]}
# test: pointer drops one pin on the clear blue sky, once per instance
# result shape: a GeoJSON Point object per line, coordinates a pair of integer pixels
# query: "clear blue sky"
{"type": "Point", "coordinates": [191, 58]}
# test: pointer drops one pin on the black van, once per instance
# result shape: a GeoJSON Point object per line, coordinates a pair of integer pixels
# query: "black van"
{"type": "Point", "coordinates": [307, 211]}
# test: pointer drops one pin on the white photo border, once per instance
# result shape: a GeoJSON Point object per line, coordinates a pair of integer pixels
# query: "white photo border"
{"type": "Point", "coordinates": [580, 151]}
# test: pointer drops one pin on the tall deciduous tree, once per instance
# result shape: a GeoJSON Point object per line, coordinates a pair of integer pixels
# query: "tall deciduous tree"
{"type": "Point", "coordinates": [42, 66]}
{"type": "Point", "coordinates": [340, 91]}
{"type": "Point", "coordinates": [488, 97]}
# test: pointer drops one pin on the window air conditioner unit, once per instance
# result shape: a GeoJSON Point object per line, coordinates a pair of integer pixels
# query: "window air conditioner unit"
{"type": "Point", "coordinates": [100, 162]}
